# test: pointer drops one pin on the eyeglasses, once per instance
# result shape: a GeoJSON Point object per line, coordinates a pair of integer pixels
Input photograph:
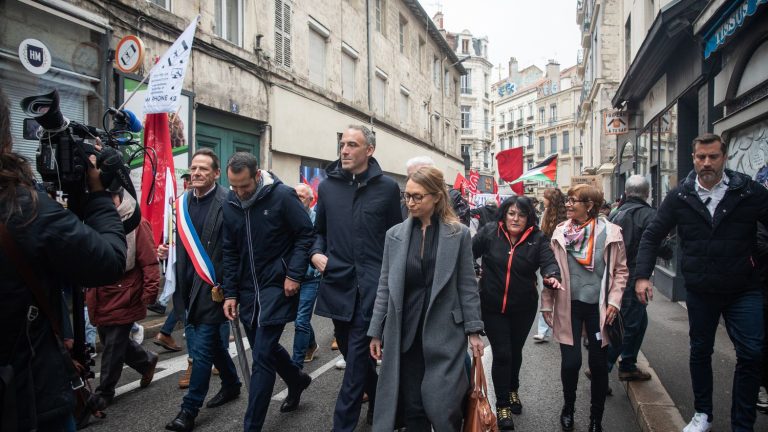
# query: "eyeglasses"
{"type": "Point", "coordinates": [571, 201]}
{"type": "Point", "coordinates": [517, 215]}
{"type": "Point", "coordinates": [417, 198]}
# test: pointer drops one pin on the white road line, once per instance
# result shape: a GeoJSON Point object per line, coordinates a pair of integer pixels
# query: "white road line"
{"type": "Point", "coordinates": [319, 371]}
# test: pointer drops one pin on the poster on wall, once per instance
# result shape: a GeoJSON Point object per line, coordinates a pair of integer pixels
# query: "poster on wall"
{"type": "Point", "coordinates": [748, 152]}
{"type": "Point", "coordinates": [179, 124]}
{"type": "Point", "coordinates": [312, 176]}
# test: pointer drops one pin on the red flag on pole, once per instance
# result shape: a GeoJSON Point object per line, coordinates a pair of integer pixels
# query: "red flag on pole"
{"type": "Point", "coordinates": [510, 163]}
{"type": "Point", "coordinates": [474, 177]}
{"type": "Point", "coordinates": [459, 183]}
{"type": "Point", "coordinates": [157, 136]}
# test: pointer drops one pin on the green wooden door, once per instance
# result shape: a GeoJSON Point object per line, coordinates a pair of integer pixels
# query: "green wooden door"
{"type": "Point", "coordinates": [225, 142]}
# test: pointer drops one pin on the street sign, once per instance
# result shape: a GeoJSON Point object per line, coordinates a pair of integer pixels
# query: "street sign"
{"type": "Point", "coordinates": [35, 56]}
{"type": "Point", "coordinates": [129, 54]}
{"type": "Point", "coordinates": [616, 122]}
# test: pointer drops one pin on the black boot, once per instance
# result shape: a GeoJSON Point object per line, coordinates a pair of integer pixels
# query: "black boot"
{"type": "Point", "coordinates": [184, 422]}
{"type": "Point", "coordinates": [566, 418]}
{"type": "Point", "coordinates": [514, 403]}
{"type": "Point", "coordinates": [504, 418]}
{"type": "Point", "coordinates": [595, 425]}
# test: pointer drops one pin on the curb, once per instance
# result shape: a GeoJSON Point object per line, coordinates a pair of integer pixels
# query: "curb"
{"type": "Point", "coordinates": [654, 409]}
{"type": "Point", "coordinates": [152, 326]}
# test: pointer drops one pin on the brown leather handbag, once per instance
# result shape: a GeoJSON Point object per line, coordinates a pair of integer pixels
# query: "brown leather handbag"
{"type": "Point", "coordinates": [479, 416]}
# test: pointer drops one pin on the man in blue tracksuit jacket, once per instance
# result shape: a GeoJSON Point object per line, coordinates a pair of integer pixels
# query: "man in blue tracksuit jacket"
{"type": "Point", "coordinates": [356, 206]}
{"type": "Point", "coordinates": [267, 234]}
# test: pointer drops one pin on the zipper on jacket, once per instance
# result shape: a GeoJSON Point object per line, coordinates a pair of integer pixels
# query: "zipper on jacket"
{"type": "Point", "coordinates": [253, 273]}
{"type": "Point", "coordinates": [509, 262]}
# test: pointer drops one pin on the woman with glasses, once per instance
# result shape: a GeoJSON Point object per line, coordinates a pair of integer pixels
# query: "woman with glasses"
{"type": "Point", "coordinates": [512, 250]}
{"type": "Point", "coordinates": [590, 253]}
{"type": "Point", "coordinates": [427, 308]}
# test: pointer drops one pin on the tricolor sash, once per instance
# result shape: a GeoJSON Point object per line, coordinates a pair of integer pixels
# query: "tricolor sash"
{"type": "Point", "coordinates": [191, 241]}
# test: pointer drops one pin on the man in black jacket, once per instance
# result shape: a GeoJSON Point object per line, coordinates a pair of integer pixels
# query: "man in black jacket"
{"type": "Point", "coordinates": [633, 216]}
{"type": "Point", "coordinates": [207, 330]}
{"type": "Point", "coordinates": [267, 234]}
{"type": "Point", "coordinates": [716, 211]}
{"type": "Point", "coordinates": [34, 371]}
{"type": "Point", "coordinates": [356, 206]}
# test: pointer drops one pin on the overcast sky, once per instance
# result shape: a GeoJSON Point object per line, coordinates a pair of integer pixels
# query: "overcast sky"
{"type": "Point", "coordinates": [531, 30]}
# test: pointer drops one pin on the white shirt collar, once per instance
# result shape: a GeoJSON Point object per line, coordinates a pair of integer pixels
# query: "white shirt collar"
{"type": "Point", "coordinates": [723, 183]}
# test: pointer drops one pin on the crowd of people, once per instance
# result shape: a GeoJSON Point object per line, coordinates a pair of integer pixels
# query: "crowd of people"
{"type": "Point", "coordinates": [400, 274]}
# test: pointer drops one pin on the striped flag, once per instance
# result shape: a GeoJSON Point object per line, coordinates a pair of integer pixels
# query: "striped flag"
{"type": "Point", "coordinates": [546, 172]}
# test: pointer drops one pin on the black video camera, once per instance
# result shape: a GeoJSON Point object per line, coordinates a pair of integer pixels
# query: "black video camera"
{"type": "Point", "coordinates": [65, 146]}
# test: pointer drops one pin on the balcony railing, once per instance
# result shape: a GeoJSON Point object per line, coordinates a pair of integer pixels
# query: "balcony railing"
{"type": "Point", "coordinates": [511, 125]}
{"type": "Point", "coordinates": [584, 100]}
{"type": "Point", "coordinates": [502, 126]}
{"type": "Point", "coordinates": [577, 150]}
{"type": "Point", "coordinates": [466, 90]}
{"type": "Point", "coordinates": [519, 122]}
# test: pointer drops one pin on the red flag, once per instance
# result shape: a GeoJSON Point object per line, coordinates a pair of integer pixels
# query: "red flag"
{"type": "Point", "coordinates": [157, 136]}
{"type": "Point", "coordinates": [474, 177]}
{"type": "Point", "coordinates": [458, 184]}
{"type": "Point", "coordinates": [510, 163]}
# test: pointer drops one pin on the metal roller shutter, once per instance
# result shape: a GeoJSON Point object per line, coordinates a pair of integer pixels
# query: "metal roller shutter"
{"type": "Point", "coordinates": [72, 104]}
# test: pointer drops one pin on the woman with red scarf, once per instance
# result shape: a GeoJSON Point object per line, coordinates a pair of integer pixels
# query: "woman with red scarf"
{"type": "Point", "coordinates": [590, 253]}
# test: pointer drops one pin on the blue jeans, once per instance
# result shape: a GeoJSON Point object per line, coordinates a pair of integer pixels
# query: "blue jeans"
{"type": "Point", "coordinates": [269, 357]}
{"type": "Point", "coordinates": [743, 314]}
{"type": "Point", "coordinates": [211, 344]}
{"type": "Point", "coordinates": [635, 323]}
{"type": "Point", "coordinates": [305, 336]}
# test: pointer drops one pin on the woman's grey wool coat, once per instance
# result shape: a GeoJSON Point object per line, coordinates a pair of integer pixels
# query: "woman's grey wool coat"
{"type": "Point", "coordinates": [453, 313]}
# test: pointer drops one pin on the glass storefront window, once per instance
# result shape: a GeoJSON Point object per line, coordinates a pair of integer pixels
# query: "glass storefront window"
{"type": "Point", "coordinates": [666, 125]}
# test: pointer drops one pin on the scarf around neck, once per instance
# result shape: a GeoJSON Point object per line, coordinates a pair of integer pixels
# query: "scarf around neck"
{"type": "Point", "coordinates": [580, 242]}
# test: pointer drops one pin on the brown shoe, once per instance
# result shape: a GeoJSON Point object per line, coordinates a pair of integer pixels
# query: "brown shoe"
{"type": "Point", "coordinates": [146, 379]}
{"type": "Point", "coordinates": [635, 375]}
{"type": "Point", "coordinates": [310, 354]}
{"type": "Point", "coordinates": [184, 379]}
{"type": "Point", "coordinates": [214, 371]}
{"type": "Point", "coordinates": [166, 342]}
{"type": "Point", "coordinates": [334, 345]}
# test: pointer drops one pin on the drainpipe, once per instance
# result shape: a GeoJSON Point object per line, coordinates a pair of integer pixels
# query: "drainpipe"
{"type": "Point", "coordinates": [368, 52]}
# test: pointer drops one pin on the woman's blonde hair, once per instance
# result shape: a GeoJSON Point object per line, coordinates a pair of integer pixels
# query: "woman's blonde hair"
{"type": "Point", "coordinates": [432, 180]}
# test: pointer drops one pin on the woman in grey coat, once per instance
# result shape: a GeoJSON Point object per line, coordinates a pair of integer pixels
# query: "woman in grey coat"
{"type": "Point", "coordinates": [427, 307]}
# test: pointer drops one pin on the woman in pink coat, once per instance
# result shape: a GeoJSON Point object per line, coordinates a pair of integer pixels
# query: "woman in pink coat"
{"type": "Point", "coordinates": [590, 252]}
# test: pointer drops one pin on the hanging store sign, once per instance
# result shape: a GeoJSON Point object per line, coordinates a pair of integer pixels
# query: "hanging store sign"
{"type": "Point", "coordinates": [728, 23]}
{"type": "Point", "coordinates": [616, 122]}
{"type": "Point", "coordinates": [35, 56]}
{"type": "Point", "coordinates": [129, 54]}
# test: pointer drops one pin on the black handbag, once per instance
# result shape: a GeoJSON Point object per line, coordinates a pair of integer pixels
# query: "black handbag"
{"type": "Point", "coordinates": [615, 330]}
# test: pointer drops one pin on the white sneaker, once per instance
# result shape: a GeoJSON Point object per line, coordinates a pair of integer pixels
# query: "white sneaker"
{"type": "Point", "coordinates": [699, 423]}
{"type": "Point", "coordinates": [762, 401]}
{"type": "Point", "coordinates": [378, 362]}
{"type": "Point", "coordinates": [539, 338]}
{"type": "Point", "coordinates": [138, 335]}
{"type": "Point", "coordinates": [341, 364]}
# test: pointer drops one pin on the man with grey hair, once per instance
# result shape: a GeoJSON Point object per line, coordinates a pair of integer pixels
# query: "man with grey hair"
{"type": "Point", "coordinates": [417, 162]}
{"type": "Point", "coordinates": [356, 206]}
{"type": "Point", "coordinates": [633, 216]}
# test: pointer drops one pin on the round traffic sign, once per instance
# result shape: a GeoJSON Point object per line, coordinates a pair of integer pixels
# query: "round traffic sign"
{"type": "Point", "coordinates": [129, 54]}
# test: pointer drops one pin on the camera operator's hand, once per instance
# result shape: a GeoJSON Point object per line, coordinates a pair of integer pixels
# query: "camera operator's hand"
{"type": "Point", "coordinates": [94, 179]}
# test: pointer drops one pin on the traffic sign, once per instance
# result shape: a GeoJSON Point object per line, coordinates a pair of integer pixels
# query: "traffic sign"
{"type": "Point", "coordinates": [129, 54]}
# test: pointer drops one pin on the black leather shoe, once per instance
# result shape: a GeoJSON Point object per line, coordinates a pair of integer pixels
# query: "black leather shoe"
{"type": "Point", "coordinates": [595, 425]}
{"type": "Point", "coordinates": [566, 418]}
{"type": "Point", "coordinates": [183, 422]}
{"type": "Point", "coordinates": [224, 395]}
{"type": "Point", "coordinates": [294, 394]}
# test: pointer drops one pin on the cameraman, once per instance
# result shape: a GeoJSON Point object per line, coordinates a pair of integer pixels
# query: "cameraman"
{"type": "Point", "coordinates": [60, 248]}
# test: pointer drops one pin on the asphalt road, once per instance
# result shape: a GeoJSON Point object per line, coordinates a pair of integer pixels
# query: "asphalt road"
{"type": "Point", "coordinates": [150, 409]}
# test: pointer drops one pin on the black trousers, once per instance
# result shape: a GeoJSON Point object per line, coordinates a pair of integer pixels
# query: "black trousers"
{"type": "Point", "coordinates": [411, 407]}
{"type": "Point", "coordinates": [507, 334]}
{"type": "Point", "coordinates": [118, 349]}
{"type": "Point", "coordinates": [584, 315]}
{"type": "Point", "coordinates": [359, 375]}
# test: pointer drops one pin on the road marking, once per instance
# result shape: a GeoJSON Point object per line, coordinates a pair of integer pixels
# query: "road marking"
{"type": "Point", "coordinates": [317, 372]}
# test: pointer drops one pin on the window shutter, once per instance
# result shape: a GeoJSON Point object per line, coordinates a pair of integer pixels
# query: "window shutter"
{"type": "Point", "coordinates": [287, 34]}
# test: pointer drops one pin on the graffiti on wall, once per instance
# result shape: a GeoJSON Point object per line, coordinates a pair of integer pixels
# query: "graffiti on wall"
{"type": "Point", "coordinates": [748, 152]}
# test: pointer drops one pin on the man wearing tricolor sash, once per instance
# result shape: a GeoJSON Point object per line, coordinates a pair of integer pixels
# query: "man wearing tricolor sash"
{"type": "Point", "coordinates": [199, 270]}
{"type": "Point", "coordinates": [267, 235]}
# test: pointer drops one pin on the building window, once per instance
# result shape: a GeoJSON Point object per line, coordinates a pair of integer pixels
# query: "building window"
{"type": "Point", "coordinates": [447, 84]}
{"type": "Point", "coordinates": [530, 110]}
{"type": "Point", "coordinates": [501, 119]}
{"type": "Point", "coordinates": [520, 113]}
{"type": "Point", "coordinates": [403, 35]}
{"type": "Point", "coordinates": [422, 45]}
{"type": "Point", "coordinates": [466, 117]}
{"type": "Point", "coordinates": [552, 113]}
{"type": "Point", "coordinates": [165, 4]}
{"type": "Point", "coordinates": [465, 46]}
{"type": "Point", "coordinates": [348, 72]}
{"type": "Point", "coordinates": [380, 91]}
{"type": "Point", "coordinates": [404, 106]}
{"type": "Point", "coordinates": [530, 140]}
{"type": "Point", "coordinates": [381, 15]}
{"type": "Point", "coordinates": [486, 120]}
{"type": "Point", "coordinates": [466, 82]}
{"type": "Point", "coordinates": [485, 85]}
{"type": "Point", "coordinates": [628, 43]}
{"type": "Point", "coordinates": [283, 31]}
{"type": "Point", "coordinates": [541, 146]}
{"type": "Point", "coordinates": [316, 58]}
{"type": "Point", "coordinates": [553, 143]}
{"type": "Point", "coordinates": [424, 116]}
{"type": "Point", "coordinates": [501, 144]}
{"type": "Point", "coordinates": [566, 141]}
{"type": "Point", "coordinates": [541, 116]}
{"type": "Point", "coordinates": [455, 93]}
{"type": "Point", "coordinates": [436, 72]}
{"type": "Point", "coordinates": [520, 140]}
{"type": "Point", "coordinates": [228, 20]}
